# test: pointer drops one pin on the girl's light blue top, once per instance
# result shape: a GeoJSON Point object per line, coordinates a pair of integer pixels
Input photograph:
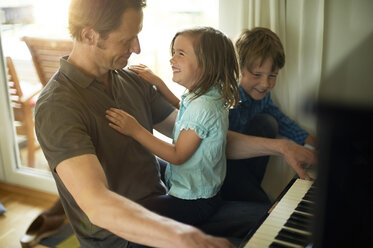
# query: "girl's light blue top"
{"type": "Point", "coordinates": [202, 175]}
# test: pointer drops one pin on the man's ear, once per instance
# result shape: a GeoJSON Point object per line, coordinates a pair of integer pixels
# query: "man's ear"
{"type": "Point", "coordinates": [89, 36]}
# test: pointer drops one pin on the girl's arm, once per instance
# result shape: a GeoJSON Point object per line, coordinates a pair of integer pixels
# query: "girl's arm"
{"type": "Point", "coordinates": [145, 73]}
{"type": "Point", "coordinates": [186, 144]}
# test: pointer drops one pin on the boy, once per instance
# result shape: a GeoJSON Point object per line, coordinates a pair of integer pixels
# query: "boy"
{"type": "Point", "coordinates": [261, 56]}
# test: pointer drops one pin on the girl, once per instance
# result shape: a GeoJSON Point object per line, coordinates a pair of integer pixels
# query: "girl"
{"type": "Point", "coordinates": [204, 62]}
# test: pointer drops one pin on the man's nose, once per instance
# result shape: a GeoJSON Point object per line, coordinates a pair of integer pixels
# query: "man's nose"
{"type": "Point", "coordinates": [135, 46]}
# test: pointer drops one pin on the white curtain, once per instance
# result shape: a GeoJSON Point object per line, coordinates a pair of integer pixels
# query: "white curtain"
{"type": "Point", "coordinates": [299, 24]}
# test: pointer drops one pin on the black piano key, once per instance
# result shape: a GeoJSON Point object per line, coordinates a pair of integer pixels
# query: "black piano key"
{"type": "Point", "coordinates": [305, 207]}
{"type": "Point", "coordinates": [297, 225]}
{"type": "Point", "coordinates": [312, 189]}
{"type": "Point", "coordinates": [307, 204]}
{"type": "Point", "coordinates": [304, 217]}
{"type": "Point", "coordinates": [300, 221]}
{"type": "Point", "coordinates": [300, 236]}
{"type": "Point", "coordinates": [293, 237]}
{"type": "Point", "coordinates": [308, 197]}
{"type": "Point", "coordinates": [275, 244]}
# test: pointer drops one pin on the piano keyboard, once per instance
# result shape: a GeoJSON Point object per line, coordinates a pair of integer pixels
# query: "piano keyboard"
{"type": "Point", "coordinates": [289, 223]}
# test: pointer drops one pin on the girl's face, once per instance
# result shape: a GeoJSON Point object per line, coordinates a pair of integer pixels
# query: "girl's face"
{"type": "Point", "coordinates": [184, 62]}
{"type": "Point", "coordinates": [260, 80]}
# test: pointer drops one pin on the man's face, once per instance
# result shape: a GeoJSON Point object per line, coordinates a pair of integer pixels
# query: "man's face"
{"type": "Point", "coordinates": [259, 80]}
{"type": "Point", "coordinates": [114, 52]}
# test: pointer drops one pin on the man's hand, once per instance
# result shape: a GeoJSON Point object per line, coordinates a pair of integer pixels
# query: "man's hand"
{"type": "Point", "coordinates": [296, 156]}
{"type": "Point", "coordinates": [197, 239]}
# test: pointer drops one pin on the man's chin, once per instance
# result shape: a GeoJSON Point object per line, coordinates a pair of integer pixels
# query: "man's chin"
{"type": "Point", "coordinates": [121, 65]}
{"type": "Point", "coordinates": [123, 61]}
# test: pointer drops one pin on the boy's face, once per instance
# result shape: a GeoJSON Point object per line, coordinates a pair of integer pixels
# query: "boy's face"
{"type": "Point", "coordinates": [260, 80]}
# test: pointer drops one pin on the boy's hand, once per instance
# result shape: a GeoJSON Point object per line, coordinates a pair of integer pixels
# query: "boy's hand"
{"type": "Point", "coordinates": [122, 121]}
{"type": "Point", "coordinates": [145, 73]}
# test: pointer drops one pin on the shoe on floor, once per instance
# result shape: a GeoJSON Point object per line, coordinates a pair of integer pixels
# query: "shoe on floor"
{"type": "Point", "coordinates": [43, 226]}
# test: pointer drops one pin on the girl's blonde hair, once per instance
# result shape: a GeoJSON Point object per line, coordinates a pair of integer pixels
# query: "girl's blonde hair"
{"type": "Point", "coordinates": [217, 60]}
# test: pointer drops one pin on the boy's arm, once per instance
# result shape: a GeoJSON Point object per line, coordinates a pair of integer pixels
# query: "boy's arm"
{"type": "Point", "coordinates": [145, 73]}
{"type": "Point", "coordinates": [286, 126]}
{"type": "Point", "coordinates": [186, 144]}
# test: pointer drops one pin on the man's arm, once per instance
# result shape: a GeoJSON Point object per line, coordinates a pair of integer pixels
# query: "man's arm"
{"type": "Point", "coordinates": [240, 146]}
{"type": "Point", "coordinates": [167, 125]}
{"type": "Point", "coordinates": [121, 216]}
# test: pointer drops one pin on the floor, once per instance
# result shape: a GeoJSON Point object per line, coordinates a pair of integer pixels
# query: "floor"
{"type": "Point", "coordinates": [23, 206]}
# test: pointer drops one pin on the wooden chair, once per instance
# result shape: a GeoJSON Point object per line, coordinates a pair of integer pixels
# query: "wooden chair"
{"type": "Point", "coordinates": [23, 102]}
{"type": "Point", "coordinates": [46, 55]}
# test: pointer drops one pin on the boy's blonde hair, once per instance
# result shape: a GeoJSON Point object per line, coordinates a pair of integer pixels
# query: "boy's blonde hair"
{"type": "Point", "coordinates": [217, 60]}
{"type": "Point", "coordinates": [259, 43]}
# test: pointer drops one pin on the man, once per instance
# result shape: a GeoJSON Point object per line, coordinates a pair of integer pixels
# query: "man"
{"type": "Point", "coordinates": [101, 174]}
